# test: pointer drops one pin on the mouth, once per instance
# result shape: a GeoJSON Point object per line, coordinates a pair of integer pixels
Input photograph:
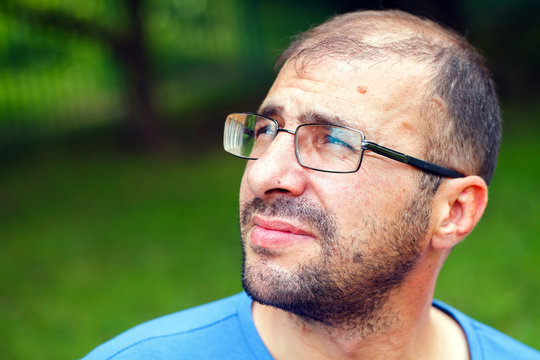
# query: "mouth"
{"type": "Point", "coordinates": [277, 234]}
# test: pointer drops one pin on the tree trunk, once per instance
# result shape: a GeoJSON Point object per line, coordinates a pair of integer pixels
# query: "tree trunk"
{"type": "Point", "coordinates": [144, 126]}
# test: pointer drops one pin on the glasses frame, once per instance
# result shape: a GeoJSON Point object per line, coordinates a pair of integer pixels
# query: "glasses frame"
{"type": "Point", "coordinates": [366, 145]}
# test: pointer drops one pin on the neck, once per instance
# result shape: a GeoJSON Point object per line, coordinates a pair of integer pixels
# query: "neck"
{"type": "Point", "coordinates": [289, 337]}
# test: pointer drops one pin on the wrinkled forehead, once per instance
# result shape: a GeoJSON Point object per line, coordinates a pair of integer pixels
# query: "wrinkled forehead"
{"type": "Point", "coordinates": [371, 96]}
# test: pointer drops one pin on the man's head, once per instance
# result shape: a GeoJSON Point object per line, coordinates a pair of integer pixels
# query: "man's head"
{"type": "Point", "coordinates": [334, 247]}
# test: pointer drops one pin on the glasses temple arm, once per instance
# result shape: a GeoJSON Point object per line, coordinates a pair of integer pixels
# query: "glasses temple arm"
{"type": "Point", "coordinates": [406, 159]}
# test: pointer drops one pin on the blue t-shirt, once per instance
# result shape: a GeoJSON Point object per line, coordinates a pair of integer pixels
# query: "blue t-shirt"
{"type": "Point", "coordinates": [224, 330]}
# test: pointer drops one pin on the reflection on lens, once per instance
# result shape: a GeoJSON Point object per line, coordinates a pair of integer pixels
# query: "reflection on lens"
{"type": "Point", "coordinates": [328, 148]}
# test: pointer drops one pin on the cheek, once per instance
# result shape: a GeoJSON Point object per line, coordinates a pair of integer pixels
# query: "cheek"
{"type": "Point", "coordinates": [245, 193]}
{"type": "Point", "coordinates": [346, 200]}
{"type": "Point", "coordinates": [349, 191]}
{"type": "Point", "coordinates": [352, 201]}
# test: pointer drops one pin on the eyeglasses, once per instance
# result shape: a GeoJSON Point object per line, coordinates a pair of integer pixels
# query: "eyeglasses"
{"type": "Point", "coordinates": [321, 147]}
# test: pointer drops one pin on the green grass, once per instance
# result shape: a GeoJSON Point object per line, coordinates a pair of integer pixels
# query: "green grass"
{"type": "Point", "coordinates": [93, 243]}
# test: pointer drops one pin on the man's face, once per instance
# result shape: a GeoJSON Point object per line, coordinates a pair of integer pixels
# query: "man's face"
{"type": "Point", "coordinates": [331, 246]}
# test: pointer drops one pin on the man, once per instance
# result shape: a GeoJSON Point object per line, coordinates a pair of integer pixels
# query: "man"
{"type": "Point", "coordinates": [343, 234]}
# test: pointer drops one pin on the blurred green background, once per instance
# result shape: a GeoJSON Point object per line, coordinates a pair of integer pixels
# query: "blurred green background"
{"type": "Point", "coordinates": [117, 204]}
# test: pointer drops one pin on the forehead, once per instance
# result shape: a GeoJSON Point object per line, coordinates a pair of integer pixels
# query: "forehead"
{"type": "Point", "coordinates": [373, 97]}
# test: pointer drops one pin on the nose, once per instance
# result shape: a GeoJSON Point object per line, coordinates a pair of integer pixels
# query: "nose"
{"type": "Point", "coordinates": [277, 172]}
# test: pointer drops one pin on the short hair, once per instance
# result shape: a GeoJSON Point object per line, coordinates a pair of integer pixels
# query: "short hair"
{"type": "Point", "coordinates": [466, 118]}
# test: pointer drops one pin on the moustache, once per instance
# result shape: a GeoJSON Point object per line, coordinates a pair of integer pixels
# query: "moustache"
{"type": "Point", "coordinates": [292, 208]}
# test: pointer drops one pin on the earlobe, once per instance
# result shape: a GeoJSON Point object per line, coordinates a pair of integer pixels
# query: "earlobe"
{"type": "Point", "coordinates": [459, 205]}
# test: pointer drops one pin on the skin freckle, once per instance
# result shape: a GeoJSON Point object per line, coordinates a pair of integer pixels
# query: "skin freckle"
{"type": "Point", "coordinates": [362, 89]}
{"type": "Point", "coordinates": [407, 126]}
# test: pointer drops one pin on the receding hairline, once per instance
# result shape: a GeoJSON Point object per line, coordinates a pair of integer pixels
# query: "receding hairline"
{"type": "Point", "coordinates": [377, 33]}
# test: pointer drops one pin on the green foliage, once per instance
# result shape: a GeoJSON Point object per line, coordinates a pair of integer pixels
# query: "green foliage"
{"type": "Point", "coordinates": [63, 69]}
{"type": "Point", "coordinates": [51, 84]}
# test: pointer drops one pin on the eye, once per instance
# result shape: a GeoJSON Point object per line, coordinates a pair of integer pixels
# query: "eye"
{"type": "Point", "coordinates": [248, 132]}
{"type": "Point", "coordinates": [264, 130]}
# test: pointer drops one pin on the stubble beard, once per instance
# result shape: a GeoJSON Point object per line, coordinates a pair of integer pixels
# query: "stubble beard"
{"type": "Point", "coordinates": [341, 288]}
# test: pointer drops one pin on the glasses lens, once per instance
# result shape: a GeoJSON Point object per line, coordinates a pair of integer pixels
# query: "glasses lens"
{"type": "Point", "coordinates": [248, 135]}
{"type": "Point", "coordinates": [329, 148]}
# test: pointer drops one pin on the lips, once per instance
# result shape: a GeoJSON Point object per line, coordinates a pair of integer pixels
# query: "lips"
{"type": "Point", "coordinates": [276, 234]}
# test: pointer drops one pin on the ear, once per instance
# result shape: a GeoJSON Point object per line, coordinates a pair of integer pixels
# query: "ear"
{"type": "Point", "coordinates": [458, 206]}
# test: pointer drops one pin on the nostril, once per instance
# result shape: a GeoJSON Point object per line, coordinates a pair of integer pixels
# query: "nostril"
{"type": "Point", "coordinates": [277, 191]}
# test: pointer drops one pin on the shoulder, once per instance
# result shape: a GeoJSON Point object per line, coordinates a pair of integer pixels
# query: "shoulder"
{"type": "Point", "coordinates": [199, 332]}
{"type": "Point", "coordinates": [485, 342]}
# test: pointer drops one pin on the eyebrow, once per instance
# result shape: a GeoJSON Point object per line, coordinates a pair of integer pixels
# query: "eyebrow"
{"type": "Point", "coordinates": [271, 111]}
{"type": "Point", "coordinates": [310, 117]}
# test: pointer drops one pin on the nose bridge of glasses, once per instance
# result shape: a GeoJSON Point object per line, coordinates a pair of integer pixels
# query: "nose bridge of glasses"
{"type": "Point", "coordinates": [280, 129]}
{"type": "Point", "coordinates": [276, 144]}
